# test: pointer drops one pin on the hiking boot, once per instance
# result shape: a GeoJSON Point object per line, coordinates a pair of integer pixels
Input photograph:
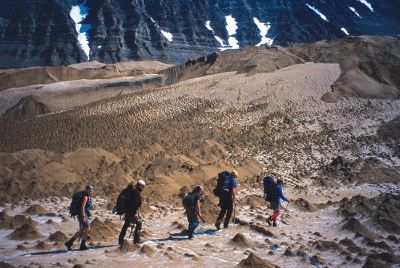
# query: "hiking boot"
{"type": "Point", "coordinates": [83, 247]}
{"type": "Point", "coordinates": [218, 225]}
{"type": "Point", "coordinates": [269, 221]}
{"type": "Point", "coordinates": [137, 240]}
{"type": "Point", "coordinates": [274, 224]}
{"type": "Point", "coordinates": [69, 244]}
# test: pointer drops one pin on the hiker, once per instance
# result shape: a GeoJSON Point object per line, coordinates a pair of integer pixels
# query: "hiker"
{"type": "Point", "coordinates": [80, 206]}
{"type": "Point", "coordinates": [276, 202]}
{"type": "Point", "coordinates": [191, 203]}
{"type": "Point", "coordinates": [132, 216]}
{"type": "Point", "coordinates": [226, 197]}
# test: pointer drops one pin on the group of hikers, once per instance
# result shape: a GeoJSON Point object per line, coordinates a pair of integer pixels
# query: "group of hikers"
{"type": "Point", "coordinates": [129, 201]}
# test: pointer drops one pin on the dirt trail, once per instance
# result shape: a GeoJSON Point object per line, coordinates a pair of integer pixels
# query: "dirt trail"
{"type": "Point", "coordinates": [301, 233]}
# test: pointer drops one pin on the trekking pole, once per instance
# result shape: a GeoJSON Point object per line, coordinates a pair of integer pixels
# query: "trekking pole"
{"type": "Point", "coordinates": [201, 218]}
{"type": "Point", "coordinates": [284, 213]}
{"type": "Point", "coordinates": [131, 231]}
{"type": "Point", "coordinates": [234, 213]}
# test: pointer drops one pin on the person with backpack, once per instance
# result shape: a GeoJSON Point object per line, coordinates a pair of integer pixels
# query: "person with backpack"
{"type": "Point", "coordinates": [80, 206]}
{"type": "Point", "coordinates": [132, 202]}
{"type": "Point", "coordinates": [226, 191]}
{"type": "Point", "coordinates": [191, 203]}
{"type": "Point", "coordinates": [275, 203]}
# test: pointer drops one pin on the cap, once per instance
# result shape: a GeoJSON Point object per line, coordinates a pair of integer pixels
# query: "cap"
{"type": "Point", "coordinates": [199, 187]}
{"type": "Point", "coordinates": [235, 173]}
{"type": "Point", "coordinates": [141, 182]}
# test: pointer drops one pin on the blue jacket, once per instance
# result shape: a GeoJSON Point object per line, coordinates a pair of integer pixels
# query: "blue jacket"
{"type": "Point", "coordinates": [279, 195]}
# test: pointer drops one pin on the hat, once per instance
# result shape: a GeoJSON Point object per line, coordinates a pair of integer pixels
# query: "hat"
{"type": "Point", "coordinates": [199, 188]}
{"type": "Point", "coordinates": [235, 173]}
{"type": "Point", "coordinates": [141, 182]}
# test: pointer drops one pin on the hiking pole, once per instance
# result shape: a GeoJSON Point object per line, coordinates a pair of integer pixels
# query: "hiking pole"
{"type": "Point", "coordinates": [284, 213]}
{"type": "Point", "coordinates": [234, 213]}
{"type": "Point", "coordinates": [131, 231]}
{"type": "Point", "coordinates": [201, 218]}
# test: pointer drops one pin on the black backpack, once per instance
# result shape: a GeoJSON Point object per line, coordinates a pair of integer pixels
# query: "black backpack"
{"type": "Point", "coordinates": [270, 192]}
{"type": "Point", "coordinates": [76, 203]}
{"type": "Point", "coordinates": [122, 202]}
{"type": "Point", "coordinates": [188, 200]}
{"type": "Point", "coordinates": [223, 177]}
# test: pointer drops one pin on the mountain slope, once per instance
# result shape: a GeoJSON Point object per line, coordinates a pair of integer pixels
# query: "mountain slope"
{"type": "Point", "coordinates": [67, 31]}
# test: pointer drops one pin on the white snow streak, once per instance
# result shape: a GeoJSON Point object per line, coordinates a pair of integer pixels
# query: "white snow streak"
{"type": "Point", "coordinates": [79, 13]}
{"type": "Point", "coordinates": [263, 27]}
{"type": "Point", "coordinates": [355, 11]}
{"type": "Point", "coordinates": [208, 26]}
{"type": "Point", "coordinates": [365, 2]}
{"type": "Point", "coordinates": [318, 12]}
{"type": "Point", "coordinates": [345, 31]}
{"type": "Point", "coordinates": [231, 27]}
{"type": "Point", "coordinates": [219, 39]}
{"type": "Point", "coordinates": [167, 35]}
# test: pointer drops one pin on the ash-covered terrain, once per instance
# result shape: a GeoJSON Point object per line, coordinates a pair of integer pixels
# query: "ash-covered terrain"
{"type": "Point", "coordinates": [323, 116]}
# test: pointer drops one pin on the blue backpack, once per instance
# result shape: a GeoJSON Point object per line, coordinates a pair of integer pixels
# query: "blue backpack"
{"type": "Point", "coordinates": [270, 192]}
{"type": "Point", "coordinates": [222, 183]}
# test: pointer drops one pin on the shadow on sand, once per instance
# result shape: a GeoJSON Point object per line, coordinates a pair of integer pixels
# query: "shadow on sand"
{"type": "Point", "coordinates": [184, 236]}
{"type": "Point", "coordinates": [61, 251]}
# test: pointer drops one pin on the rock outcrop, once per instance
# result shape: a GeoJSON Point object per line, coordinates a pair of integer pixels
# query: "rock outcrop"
{"type": "Point", "coordinates": [174, 31]}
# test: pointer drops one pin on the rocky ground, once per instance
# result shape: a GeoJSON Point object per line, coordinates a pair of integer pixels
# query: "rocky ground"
{"type": "Point", "coordinates": [339, 160]}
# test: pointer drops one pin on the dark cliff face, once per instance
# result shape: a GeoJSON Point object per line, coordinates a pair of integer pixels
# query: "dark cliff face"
{"type": "Point", "coordinates": [44, 32]}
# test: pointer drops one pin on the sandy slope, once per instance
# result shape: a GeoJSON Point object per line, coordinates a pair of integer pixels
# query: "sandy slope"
{"type": "Point", "coordinates": [177, 135]}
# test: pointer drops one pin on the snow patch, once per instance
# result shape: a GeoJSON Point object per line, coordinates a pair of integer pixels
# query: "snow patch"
{"type": "Point", "coordinates": [231, 27]}
{"type": "Point", "coordinates": [208, 26]}
{"type": "Point", "coordinates": [263, 27]}
{"type": "Point", "coordinates": [78, 14]}
{"type": "Point", "coordinates": [318, 12]}
{"type": "Point", "coordinates": [167, 35]}
{"type": "Point", "coordinates": [345, 31]}
{"type": "Point", "coordinates": [233, 43]}
{"type": "Point", "coordinates": [219, 39]}
{"type": "Point", "coordinates": [355, 11]}
{"type": "Point", "coordinates": [367, 4]}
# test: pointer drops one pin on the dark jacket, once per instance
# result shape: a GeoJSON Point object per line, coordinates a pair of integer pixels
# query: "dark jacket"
{"type": "Point", "coordinates": [135, 201]}
{"type": "Point", "coordinates": [279, 195]}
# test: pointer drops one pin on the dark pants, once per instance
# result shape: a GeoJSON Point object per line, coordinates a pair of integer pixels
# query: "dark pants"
{"type": "Point", "coordinates": [129, 219]}
{"type": "Point", "coordinates": [226, 205]}
{"type": "Point", "coordinates": [192, 219]}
